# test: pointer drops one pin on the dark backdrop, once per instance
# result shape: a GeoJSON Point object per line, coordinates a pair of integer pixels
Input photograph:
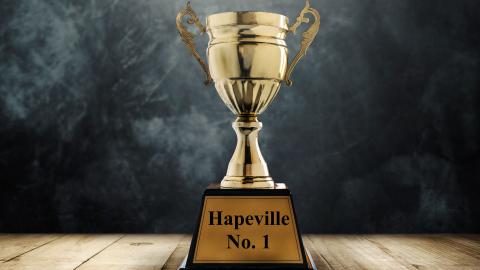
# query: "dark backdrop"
{"type": "Point", "coordinates": [105, 125]}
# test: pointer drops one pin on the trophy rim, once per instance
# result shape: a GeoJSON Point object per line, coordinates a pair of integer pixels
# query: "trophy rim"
{"type": "Point", "coordinates": [247, 18]}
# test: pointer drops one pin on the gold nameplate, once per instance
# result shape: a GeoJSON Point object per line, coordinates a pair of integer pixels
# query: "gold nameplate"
{"type": "Point", "coordinates": [248, 229]}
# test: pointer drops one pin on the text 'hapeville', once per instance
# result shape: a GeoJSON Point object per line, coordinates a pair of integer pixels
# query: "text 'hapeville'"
{"type": "Point", "coordinates": [269, 218]}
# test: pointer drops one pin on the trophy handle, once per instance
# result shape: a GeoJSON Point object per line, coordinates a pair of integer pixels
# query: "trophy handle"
{"type": "Point", "coordinates": [187, 37]}
{"type": "Point", "coordinates": [307, 37]}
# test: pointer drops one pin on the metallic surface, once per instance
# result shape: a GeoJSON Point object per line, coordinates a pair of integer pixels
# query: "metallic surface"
{"type": "Point", "coordinates": [187, 37]}
{"type": "Point", "coordinates": [247, 168]}
{"type": "Point", "coordinates": [248, 59]}
{"type": "Point", "coordinates": [307, 37]}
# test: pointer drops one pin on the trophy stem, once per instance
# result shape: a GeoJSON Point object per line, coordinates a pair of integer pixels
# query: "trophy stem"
{"type": "Point", "coordinates": [247, 168]}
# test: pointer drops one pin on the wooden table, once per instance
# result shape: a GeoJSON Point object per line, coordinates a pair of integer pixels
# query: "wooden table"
{"type": "Point", "coordinates": [98, 251]}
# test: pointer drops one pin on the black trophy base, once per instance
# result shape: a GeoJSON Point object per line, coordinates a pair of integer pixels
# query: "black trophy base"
{"type": "Point", "coordinates": [247, 229]}
{"type": "Point", "coordinates": [311, 265]}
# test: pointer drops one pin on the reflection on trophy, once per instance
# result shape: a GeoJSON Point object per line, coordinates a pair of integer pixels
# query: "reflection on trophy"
{"type": "Point", "coordinates": [247, 221]}
{"type": "Point", "coordinates": [247, 61]}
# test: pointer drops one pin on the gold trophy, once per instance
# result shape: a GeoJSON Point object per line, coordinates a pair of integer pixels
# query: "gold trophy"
{"type": "Point", "coordinates": [247, 221]}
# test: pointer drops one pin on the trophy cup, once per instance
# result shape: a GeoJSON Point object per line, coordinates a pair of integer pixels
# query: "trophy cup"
{"type": "Point", "coordinates": [248, 221]}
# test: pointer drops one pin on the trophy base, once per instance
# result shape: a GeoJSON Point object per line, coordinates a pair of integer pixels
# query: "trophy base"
{"type": "Point", "coordinates": [311, 265]}
{"type": "Point", "coordinates": [247, 229]}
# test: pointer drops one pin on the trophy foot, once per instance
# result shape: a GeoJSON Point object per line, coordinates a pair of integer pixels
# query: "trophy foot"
{"type": "Point", "coordinates": [247, 168]}
{"type": "Point", "coordinates": [247, 182]}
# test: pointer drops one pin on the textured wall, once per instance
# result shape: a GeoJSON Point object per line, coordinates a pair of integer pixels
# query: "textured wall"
{"type": "Point", "coordinates": [105, 124]}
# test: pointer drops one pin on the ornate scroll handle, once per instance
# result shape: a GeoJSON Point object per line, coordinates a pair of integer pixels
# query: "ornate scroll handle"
{"type": "Point", "coordinates": [307, 37]}
{"type": "Point", "coordinates": [187, 37]}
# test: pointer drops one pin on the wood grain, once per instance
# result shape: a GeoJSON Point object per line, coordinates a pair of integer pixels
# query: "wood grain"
{"type": "Point", "coordinates": [178, 254]}
{"type": "Point", "coordinates": [166, 252]}
{"type": "Point", "coordinates": [66, 252]}
{"type": "Point", "coordinates": [13, 245]}
{"type": "Point", "coordinates": [135, 252]}
{"type": "Point", "coordinates": [429, 252]}
{"type": "Point", "coordinates": [355, 252]}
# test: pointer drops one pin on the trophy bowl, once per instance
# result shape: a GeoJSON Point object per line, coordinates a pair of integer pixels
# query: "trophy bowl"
{"type": "Point", "coordinates": [247, 57]}
{"type": "Point", "coordinates": [248, 61]}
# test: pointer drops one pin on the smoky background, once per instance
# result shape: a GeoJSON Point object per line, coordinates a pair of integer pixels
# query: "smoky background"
{"type": "Point", "coordinates": [107, 127]}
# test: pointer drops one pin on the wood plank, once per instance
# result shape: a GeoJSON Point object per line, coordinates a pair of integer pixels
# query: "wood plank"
{"type": "Point", "coordinates": [355, 252]}
{"type": "Point", "coordinates": [135, 252]}
{"type": "Point", "coordinates": [468, 244]}
{"type": "Point", "coordinates": [177, 257]}
{"type": "Point", "coordinates": [427, 251]}
{"type": "Point", "coordinates": [318, 259]}
{"type": "Point", "coordinates": [64, 253]}
{"type": "Point", "coordinates": [13, 245]}
{"type": "Point", "coordinates": [166, 252]}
